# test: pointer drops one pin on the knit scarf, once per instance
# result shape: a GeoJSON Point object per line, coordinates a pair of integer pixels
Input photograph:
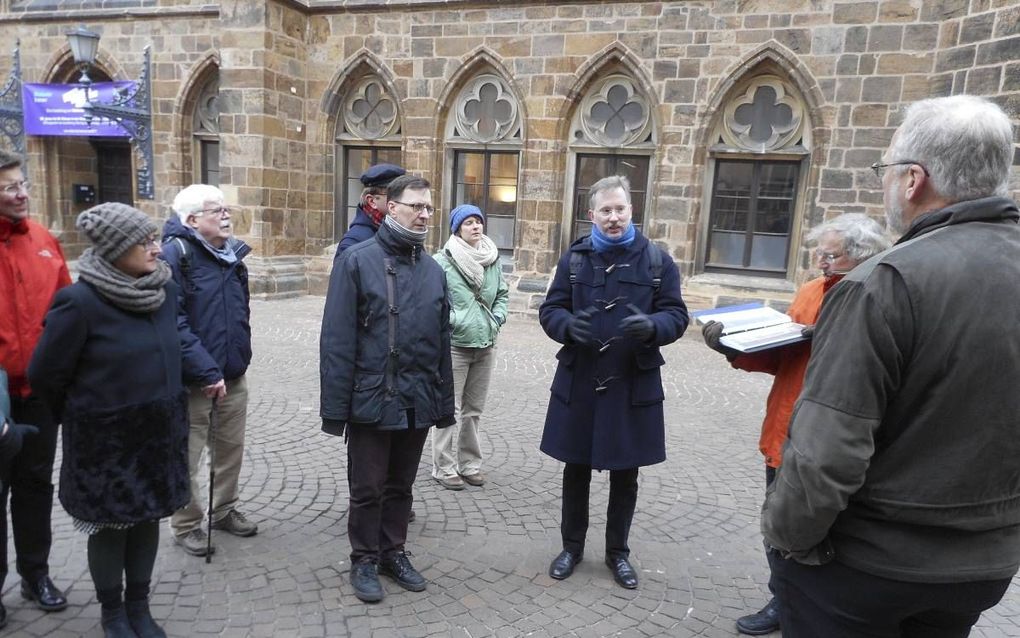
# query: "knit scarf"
{"type": "Point", "coordinates": [472, 261]}
{"type": "Point", "coordinates": [413, 237]}
{"type": "Point", "coordinates": [601, 243]}
{"type": "Point", "coordinates": [134, 294]}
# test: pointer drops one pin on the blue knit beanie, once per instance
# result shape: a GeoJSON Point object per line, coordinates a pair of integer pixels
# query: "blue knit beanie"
{"type": "Point", "coordinates": [462, 212]}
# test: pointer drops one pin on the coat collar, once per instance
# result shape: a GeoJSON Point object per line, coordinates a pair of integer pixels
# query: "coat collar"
{"type": "Point", "coordinates": [986, 209]}
{"type": "Point", "coordinates": [10, 227]}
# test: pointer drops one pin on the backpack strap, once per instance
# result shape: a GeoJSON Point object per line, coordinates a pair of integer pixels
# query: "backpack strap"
{"type": "Point", "coordinates": [577, 260]}
{"type": "Point", "coordinates": [655, 264]}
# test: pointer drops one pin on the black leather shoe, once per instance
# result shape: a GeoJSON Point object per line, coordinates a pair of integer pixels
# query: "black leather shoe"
{"type": "Point", "coordinates": [44, 593]}
{"type": "Point", "coordinates": [623, 573]}
{"type": "Point", "coordinates": [563, 565]}
{"type": "Point", "coordinates": [398, 567]}
{"type": "Point", "coordinates": [365, 579]}
{"type": "Point", "coordinates": [764, 622]}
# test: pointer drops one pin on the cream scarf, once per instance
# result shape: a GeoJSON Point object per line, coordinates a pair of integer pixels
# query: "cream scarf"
{"type": "Point", "coordinates": [472, 261]}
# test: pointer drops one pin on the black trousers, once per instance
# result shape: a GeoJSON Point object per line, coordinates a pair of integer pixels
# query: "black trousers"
{"type": "Point", "coordinates": [623, 488]}
{"type": "Point", "coordinates": [381, 468]}
{"type": "Point", "coordinates": [30, 488]}
{"type": "Point", "coordinates": [836, 600]}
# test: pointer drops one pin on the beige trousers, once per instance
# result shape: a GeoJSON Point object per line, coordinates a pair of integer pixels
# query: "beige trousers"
{"type": "Point", "coordinates": [457, 449]}
{"type": "Point", "coordinates": [227, 450]}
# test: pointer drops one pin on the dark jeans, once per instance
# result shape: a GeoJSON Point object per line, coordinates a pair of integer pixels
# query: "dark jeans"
{"type": "Point", "coordinates": [381, 468]}
{"type": "Point", "coordinates": [30, 486]}
{"type": "Point", "coordinates": [836, 600]}
{"type": "Point", "coordinates": [770, 475]}
{"type": "Point", "coordinates": [623, 488]}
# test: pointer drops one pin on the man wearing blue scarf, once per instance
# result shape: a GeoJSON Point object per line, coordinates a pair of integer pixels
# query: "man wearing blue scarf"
{"type": "Point", "coordinates": [614, 301]}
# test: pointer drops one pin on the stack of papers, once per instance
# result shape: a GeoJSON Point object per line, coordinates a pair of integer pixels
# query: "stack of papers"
{"type": "Point", "coordinates": [752, 327]}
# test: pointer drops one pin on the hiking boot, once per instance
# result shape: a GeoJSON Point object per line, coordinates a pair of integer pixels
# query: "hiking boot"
{"type": "Point", "coordinates": [398, 567]}
{"type": "Point", "coordinates": [237, 524]}
{"type": "Point", "coordinates": [194, 542]}
{"type": "Point", "coordinates": [454, 482]}
{"type": "Point", "coordinates": [365, 579]}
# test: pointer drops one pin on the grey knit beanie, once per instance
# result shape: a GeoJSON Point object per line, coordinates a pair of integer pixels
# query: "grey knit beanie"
{"type": "Point", "coordinates": [113, 228]}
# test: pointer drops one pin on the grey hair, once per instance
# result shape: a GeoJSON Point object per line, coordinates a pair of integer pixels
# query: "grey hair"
{"type": "Point", "coordinates": [965, 142]}
{"type": "Point", "coordinates": [9, 159]}
{"type": "Point", "coordinates": [863, 237]}
{"type": "Point", "coordinates": [607, 184]}
{"type": "Point", "coordinates": [193, 198]}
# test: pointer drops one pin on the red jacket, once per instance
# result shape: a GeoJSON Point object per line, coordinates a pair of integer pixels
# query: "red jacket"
{"type": "Point", "coordinates": [32, 270]}
{"type": "Point", "coordinates": [788, 364]}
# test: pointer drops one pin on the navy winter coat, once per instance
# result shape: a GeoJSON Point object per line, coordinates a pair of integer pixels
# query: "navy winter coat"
{"type": "Point", "coordinates": [620, 424]}
{"type": "Point", "coordinates": [385, 344]}
{"type": "Point", "coordinates": [115, 381]}
{"type": "Point", "coordinates": [362, 228]}
{"type": "Point", "coordinates": [214, 304]}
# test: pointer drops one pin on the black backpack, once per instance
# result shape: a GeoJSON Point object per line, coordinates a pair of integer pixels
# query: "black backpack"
{"type": "Point", "coordinates": [654, 262]}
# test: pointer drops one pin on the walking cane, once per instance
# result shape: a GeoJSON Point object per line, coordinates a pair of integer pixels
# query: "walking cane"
{"type": "Point", "coordinates": [213, 419]}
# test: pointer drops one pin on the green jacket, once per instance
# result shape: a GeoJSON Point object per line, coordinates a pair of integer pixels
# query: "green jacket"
{"type": "Point", "coordinates": [473, 326]}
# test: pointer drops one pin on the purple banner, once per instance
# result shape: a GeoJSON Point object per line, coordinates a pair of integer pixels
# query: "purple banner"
{"type": "Point", "coordinates": [58, 109]}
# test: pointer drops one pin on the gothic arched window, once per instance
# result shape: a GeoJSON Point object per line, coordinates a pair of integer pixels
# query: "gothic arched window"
{"type": "Point", "coordinates": [206, 131]}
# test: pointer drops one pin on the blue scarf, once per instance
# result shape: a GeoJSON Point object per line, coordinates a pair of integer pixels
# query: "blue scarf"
{"type": "Point", "coordinates": [601, 243]}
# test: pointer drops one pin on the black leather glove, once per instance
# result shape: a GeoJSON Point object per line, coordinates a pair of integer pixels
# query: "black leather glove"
{"type": "Point", "coordinates": [639, 326]}
{"type": "Point", "coordinates": [808, 332]}
{"type": "Point", "coordinates": [11, 441]}
{"type": "Point", "coordinates": [579, 328]}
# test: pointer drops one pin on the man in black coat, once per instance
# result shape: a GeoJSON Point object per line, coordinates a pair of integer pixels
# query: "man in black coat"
{"type": "Point", "coordinates": [614, 301]}
{"type": "Point", "coordinates": [386, 378]}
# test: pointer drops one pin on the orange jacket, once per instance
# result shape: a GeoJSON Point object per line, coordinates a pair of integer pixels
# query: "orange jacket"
{"type": "Point", "coordinates": [32, 270]}
{"type": "Point", "coordinates": [788, 364]}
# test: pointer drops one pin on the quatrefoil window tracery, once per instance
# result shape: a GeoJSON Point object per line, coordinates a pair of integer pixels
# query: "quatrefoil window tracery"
{"type": "Point", "coordinates": [487, 111]}
{"type": "Point", "coordinates": [370, 112]}
{"type": "Point", "coordinates": [614, 113]}
{"type": "Point", "coordinates": [766, 116]}
{"type": "Point", "coordinates": [207, 109]}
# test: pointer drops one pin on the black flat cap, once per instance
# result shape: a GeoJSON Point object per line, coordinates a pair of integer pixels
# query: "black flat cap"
{"type": "Point", "coordinates": [381, 175]}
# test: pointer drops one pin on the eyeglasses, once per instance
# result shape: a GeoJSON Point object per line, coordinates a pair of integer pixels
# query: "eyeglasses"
{"type": "Point", "coordinates": [14, 188]}
{"type": "Point", "coordinates": [150, 242]}
{"type": "Point", "coordinates": [880, 168]}
{"type": "Point", "coordinates": [219, 210]}
{"type": "Point", "coordinates": [609, 211]}
{"type": "Point", "coordinates": [827, 257]}
{"type": "Point", "coordinates": [418, 208]}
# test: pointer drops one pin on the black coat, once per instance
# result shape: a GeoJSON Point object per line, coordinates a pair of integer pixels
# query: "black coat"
{"type": "Point", "coordinates": [620, 426]}
{"type": "Point", "coordinates": [380, 356]}
{"type": "Point", "coordinates": [115, 379]}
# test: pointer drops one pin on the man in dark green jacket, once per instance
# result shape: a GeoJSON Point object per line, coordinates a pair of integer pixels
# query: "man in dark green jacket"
{"type": "Point", "coordinates": [896, 511]}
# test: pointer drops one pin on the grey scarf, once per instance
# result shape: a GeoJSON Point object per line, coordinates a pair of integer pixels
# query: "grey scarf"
{"type": "Point", "coordinates": [134, 294]}
{"type": "Point", "coordinates": [413, 237]}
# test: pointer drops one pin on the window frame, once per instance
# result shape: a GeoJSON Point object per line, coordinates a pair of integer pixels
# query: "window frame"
{"type": "Point", "coordinates": [799, 162]}
{"type": "Point", "coordinates": [487, 151]}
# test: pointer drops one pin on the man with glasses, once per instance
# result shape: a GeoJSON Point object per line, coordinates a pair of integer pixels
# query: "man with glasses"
{"type": "Point", "coordinates": [207, 264]}
{"type": "Point", "coordinates": [841, 244]}
{"type": "Point", "coordinates": [32, 270]}
{"type": "Point", "coordinates": [372, 207]}
{"type": "Point", "coordinates": [615, 300]}
{"type": "Point", "coordinates": [896, 511]}
{"type": "Point", "coordinates": [386, 378]}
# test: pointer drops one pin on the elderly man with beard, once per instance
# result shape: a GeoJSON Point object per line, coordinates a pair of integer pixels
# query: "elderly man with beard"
{"type": "Point", "coordinates": [896, 511]}
{"type": "Point", "coordinates": [213, 301]}
{"type": "Point", "coordinates": [841, 244]}
{"type": "Point", "coordinates": [386, 378]}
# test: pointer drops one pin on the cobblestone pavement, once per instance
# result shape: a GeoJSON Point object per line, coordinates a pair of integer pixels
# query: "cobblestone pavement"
{"type": "Point", "coordinates": [485, 551]}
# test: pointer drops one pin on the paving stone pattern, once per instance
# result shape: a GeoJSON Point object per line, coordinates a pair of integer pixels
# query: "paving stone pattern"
{"type": "Point", "coordinates": [485, 551]}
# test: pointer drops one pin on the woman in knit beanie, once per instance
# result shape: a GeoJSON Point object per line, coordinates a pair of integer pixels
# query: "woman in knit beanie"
{"type": "Point", "coordinates": [478, 295]}
{"type": "Point", "coordinates": [109, 366]}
